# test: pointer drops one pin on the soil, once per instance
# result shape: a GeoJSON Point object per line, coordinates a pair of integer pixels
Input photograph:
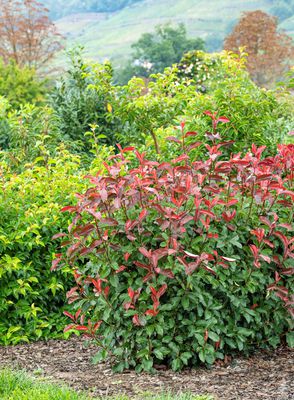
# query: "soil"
{"type": "Point", "coordinates": [265, 375]}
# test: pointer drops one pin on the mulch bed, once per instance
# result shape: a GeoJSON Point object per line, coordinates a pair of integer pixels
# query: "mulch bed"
{"type": "Point", "coordinates": [265, 375]}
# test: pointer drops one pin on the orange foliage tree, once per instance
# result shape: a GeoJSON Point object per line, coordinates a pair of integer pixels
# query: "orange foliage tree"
{"type": "Point", "coordinates": [269, 51]}
{"type": "Point", "coordinates": [27, 35]}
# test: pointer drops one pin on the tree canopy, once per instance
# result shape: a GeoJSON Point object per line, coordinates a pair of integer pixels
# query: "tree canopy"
{"type": "Point", "coordinates": [269, 51]}
{"type": "Point", "coordinates": [155, 51]}
{"type": "Point", "coordinates": [27, 34]}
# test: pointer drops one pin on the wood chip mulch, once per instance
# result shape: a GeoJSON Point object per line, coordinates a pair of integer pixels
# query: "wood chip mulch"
{"type": "Point", "coordinates": [265, 375]}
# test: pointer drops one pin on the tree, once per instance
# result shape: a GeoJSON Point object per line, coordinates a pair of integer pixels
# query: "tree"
{"type": "Point", "coordinates": [27, 35]}
{"type": "Point", "coordinates": [269, 51]}
{"type": "Point", "coordinates": [155, 51]}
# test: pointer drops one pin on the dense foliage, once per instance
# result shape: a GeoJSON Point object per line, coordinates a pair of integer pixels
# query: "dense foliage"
{"type": "Point", "coordinates": [153, 52]}
{"type": "Point", "coordinates": [199, 82]}
{"type": "Point", "coordinates": [20, 85]}
{"type": "Point", "coordinates": [83, 99]}
{"type": "Point", "coordinates": [31, 298]}
{"type": "Point", "coordinates": [185, 260]}
{"type": "Point", "coordinates": [27, 133]}
{"type": "Point", "coordinates": [49, 142]}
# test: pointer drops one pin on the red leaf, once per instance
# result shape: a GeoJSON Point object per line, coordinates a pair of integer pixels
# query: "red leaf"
{"type": "Point", "coordinates": [69, 209]}
{"type": "Point", "coordinates": [151, 312]}
{"type": "Point", "coordinates": [173, 139]}
{"type": "Point", "coordinates": [130, 148]}
{"type": "Point", "coordinates": [165, 272]}
{"type": "Point", "coordinates": [81, 328]}
{"type": "Point", "coordinates": [69, 315]}
{"type": "Point", "coordinates": [56, 261]}
{"type": "Point", "coordinates": [77, 314]}
{"type": "Point", "coordinates": [69, 327]}
{"type": "Point", "coordinates": [128, 305]}
{"type": "Point", "coordinates": [121, 268]}
{"type": "Point", "coordinates": [98, 284]}
{"type": "Point", "coordinates": [265, 258]}
{"type": "Point", "coordinates": [254, 250]}
{"type": "Point", "coordinates": [191, 134]}
{"type": "Point", "coordinates": [136, 320]}
{"type": "Point", "coordinates": [131, 293]}
{"type": "Point", "coordinates": [209, 270]}
{"type": "Point", "coordinates": [162, 290]}
{"type": "Point", "coordinates": [97, 325]}
{"type": "Point", "coordinates": [106, 291]}
{"type": "Point", "coordinates": [104, 195]}
{"type": "Point", "coordinates": [58, 235]}
{"type": "Point", "coordinates": [288, 271]}
{"type": "Point", "coordinates": [223, 119]}
{"type": "Point", "coordinates": [142, 215]}
{"type": "Point", "coordinates": [145, 252]}
{"type": "Point", "coordinates": [183, 157]}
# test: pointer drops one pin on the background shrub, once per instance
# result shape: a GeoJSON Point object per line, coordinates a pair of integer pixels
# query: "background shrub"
{"type": "Point", "coordinates": [28, 133]}
{"type": "Point", "coordinates": [149, 112]}
{"type": "Point", "coordinates": [20, 85]}
{"type": "Point", "coordinates": [83, 98]}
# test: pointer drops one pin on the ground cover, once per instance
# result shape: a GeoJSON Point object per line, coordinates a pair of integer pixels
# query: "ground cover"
{"type": "Point", "coordinates": [263, 376]}
{"type": "Point", "coordinates": [18, 385]}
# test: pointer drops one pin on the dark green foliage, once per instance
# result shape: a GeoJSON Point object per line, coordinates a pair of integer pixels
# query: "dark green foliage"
{"type": "Point", "coordinates": [82, 99]}
{"type": "Point", "coordinates": [153, 52]}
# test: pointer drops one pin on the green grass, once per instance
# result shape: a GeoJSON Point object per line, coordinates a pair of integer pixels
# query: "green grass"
{"type": "Point", "coordinates": [112, 37]}
{"type": "Point", "coordinates": [18, 385]}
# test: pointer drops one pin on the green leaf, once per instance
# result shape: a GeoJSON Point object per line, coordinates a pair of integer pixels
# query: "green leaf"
{"type": "Point", "coordinates": [158, 354]}
{"type": "Point", "coordinates": [185, 302]}
{"type": "Point", "coordinates": [213, 336]}
{"type": "Point", "coordinates": [147, 364]}
{"type": "Point", "coordinates": [176, 364]}
{"type": "Point", "coordinates": [290, 339]}
{"type": "Point", "coordinates": [185, 357]}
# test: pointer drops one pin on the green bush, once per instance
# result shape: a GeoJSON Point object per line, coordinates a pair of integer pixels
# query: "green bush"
{"type": "Point", "coordinates": [184, 261]}
{"type": "Point", "coordinates": [20, 85]}
{"type": "Point", "coordinates": [82, 99]}
{"type": "Point", "coordinates": [30, 296]}
{"type": "Point", "coordinates": [28, 133]}
{"type": "Point", "coordinates": [148, 113]}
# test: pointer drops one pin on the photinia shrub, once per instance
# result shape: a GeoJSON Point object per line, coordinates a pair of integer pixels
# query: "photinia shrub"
{"type": "Point", "coordinates": [185, 261]}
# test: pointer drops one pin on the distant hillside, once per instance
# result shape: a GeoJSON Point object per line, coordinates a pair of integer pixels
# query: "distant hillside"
{"type": "Point", "coordinates": [61, 8]}
{"type": "Point", "coordinates": [110, 35]}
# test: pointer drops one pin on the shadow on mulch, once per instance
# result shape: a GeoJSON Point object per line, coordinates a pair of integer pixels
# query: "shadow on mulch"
{"type": "Point", "coordinates": [265, 375]}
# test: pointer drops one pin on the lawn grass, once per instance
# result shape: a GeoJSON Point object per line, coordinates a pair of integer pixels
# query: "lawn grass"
{"type": "Point", "coordinates": [18, 385]}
